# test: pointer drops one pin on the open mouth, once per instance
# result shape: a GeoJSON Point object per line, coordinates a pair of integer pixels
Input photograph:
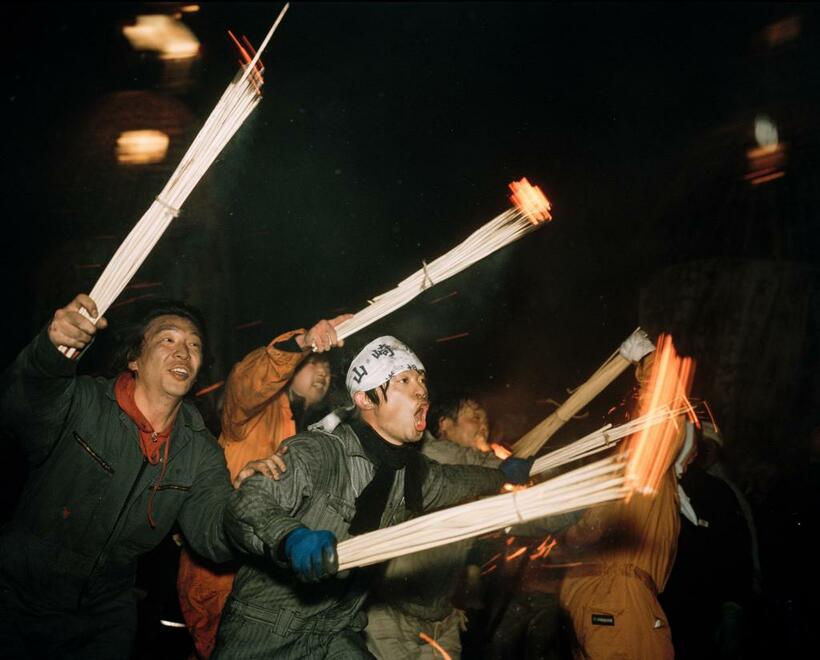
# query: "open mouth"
{"type": "Point", "coordinates": [420, 417]}
{"type": "Point", "coordinates": [180, 372]}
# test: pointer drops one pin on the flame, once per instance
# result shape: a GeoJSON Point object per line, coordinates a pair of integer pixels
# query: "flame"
{"type": "Point", "coordinates": [531, 201]}
{"type": "Point", "coordinates": [652, 450]}
{"type": "Point", "coordinates": [435, 645]}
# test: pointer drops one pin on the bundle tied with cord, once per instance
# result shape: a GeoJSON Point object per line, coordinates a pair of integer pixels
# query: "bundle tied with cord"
{"type": "Point", "coordinates": [530, 210]}
{"type": "Point", "coordinates": [236, 104]}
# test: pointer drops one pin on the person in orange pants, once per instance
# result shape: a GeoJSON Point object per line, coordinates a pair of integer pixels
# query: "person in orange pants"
{"type": "Point", "coordinates": [262, 396]}
{"type": "Point", "coordinates": [627, 550]}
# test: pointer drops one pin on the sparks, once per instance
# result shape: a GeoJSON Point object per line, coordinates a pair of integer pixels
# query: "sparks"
{"type": "Point", "coordinates": [435, 645]}
{"type": "Point", "coordinates": [209, 388]}
{"type": "Point", "coordinates": [531, 201]}
{"type": "Point", "coordinates": [544, 548]}
{"type": "Point", "coordinates": [451, 337]}
{"type": "Point", "coordinates": [245, 326]}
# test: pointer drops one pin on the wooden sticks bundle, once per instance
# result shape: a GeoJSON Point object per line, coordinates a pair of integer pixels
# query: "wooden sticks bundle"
{"type": "Point", "coordinates": [599, 482]}
{"type": "Point", "coordinates": [236, 104]}
{"type": "Point", "coordinates": [531, 210]}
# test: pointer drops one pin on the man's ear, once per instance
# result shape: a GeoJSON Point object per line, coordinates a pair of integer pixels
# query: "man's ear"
{"type": "Point", "coordinates": [445, 424]}
{"type": "Point", "coordinates": [132, 366]}
{"type": "Point", "coordinates": [362, 401]}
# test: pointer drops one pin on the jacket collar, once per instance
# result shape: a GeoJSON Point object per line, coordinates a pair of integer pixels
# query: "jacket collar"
{"type": "Point", "coordinates": [188, 414]}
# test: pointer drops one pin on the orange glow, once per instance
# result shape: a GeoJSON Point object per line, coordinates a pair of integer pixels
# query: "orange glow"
{"type": "Point", "coordinates": [711, 416]}
{"type": "Point", "coordinates": [500, 451]}
{"type": "Point", "coordinates": [435, 645]}
{"type": "Point", "coordinates": [142, 147]}
{"type": "Point", "coordinates": [652, 450]}
{"type": "Point", "coordinates": [247, 54]}
{"type": "Point", "coordinates": [165, 35]}
{"type": "Point", "coordinates": [209, 389]}
{"type": "Point", "coordinates": [544, 548]}
{"type": "Point", "coordinates": [189, 9]}
{"type": "Point", "coordinates": [244, 326]}
{"type": "Point", "coordinates": [530, 200]}
{"type": "Point", "coordinates": [767, 178]}
{"type": "Point", "coordinates": [451, 337]}
{"type": "Point", "coordinates": [517, 553]}
{"type": "Point", "coordinates": [143, 285]}
{"type": "Point", "coordinates": [449, 295]}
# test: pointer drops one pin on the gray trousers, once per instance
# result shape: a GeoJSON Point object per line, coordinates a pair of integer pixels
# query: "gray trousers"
{"type": "Point", "coordinates": [242, 635]}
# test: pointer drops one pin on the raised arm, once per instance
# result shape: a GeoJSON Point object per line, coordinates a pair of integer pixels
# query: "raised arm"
{"type": "Point", "coordinates": [264, 373]}
{"type": "Point", "coordinates": [37, 389]}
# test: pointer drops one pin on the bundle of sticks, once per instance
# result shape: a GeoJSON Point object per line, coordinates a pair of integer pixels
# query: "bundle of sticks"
{"type": "Point", "coordinates": [604, 438]}
{"type": "Point", "coordinates": [236, 104]}
{"type": "Point", "coordinates": [531, 443]}
{"type": "Point", "coordinates": [531, 209]}
{"type": "Point", "coordinates": [602, 481]}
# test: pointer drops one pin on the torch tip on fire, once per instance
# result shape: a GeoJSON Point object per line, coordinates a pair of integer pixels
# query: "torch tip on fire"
{"type": "Point", "coordinates": [531, 201]}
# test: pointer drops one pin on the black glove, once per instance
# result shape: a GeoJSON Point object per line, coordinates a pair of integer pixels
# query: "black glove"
{"type": "Point", "coordinates": [516, 470]}
{"type": "Point", "coordinates": [311, 554]}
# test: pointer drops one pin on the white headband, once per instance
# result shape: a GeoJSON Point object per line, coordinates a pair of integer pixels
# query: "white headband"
{"type": "Point", "coordinates": [378, 362]}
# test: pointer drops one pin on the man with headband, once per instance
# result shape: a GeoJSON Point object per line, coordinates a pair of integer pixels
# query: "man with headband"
{"type": "Point", "coordinates": [363, 475]}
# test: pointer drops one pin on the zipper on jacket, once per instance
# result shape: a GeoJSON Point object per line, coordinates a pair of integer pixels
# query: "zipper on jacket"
{"type": "Point", "coordinates": [105, 466]}
{"type": "Point", "coordinates": [114, 527]}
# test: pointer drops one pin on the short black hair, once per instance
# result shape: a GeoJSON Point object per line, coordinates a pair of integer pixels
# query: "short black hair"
{"type": "Point", "coordinates": [132, 335]}
{"type": "Point", "coordinates": [448, 406]}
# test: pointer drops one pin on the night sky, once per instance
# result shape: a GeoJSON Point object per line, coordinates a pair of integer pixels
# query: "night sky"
{"type": "Point", "coordinates": [387, 133]}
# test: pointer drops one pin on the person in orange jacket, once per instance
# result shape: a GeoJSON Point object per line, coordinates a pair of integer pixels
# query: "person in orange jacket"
{"type": "Point", "coordinates": [627, 550]}
{"type": "Point", "coordinates": [266, 397]}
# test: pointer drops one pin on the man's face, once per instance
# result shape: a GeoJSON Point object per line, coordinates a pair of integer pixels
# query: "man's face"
{"type": "Point", "coordinates": [312, 381]}
{"type": "Point", "coordinates": [171, 357]}
{"type": "Point", "coordinates": [401, 417]}
{"type": "Point", "coordinates": [470, 428]}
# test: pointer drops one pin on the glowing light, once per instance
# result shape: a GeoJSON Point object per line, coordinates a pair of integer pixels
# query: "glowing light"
{"type": "Point", "coordinates": [245, 326]}
{"type": "Point", "coordinates": [500, 451]}
{"type": "Point", "coordinates": [209, 388]}
{"type": "Point", "coordinates": [165, 35]}
{"type": "Point", "coordinates": [517, 553]}
{"type": "Point", "coordinates": [544, 548]}
{"type": "Point", "coordinates": [435, 645]}
{"type": "Point", "coordinates": [451, 337]}
{"type": "Point", "coordinates": [768, 177]}
{"type": "Point", "coordinates": [171, 624]}
{"type": "Point", "coordinates": [449, 295]}
{"type": "Point", "coordinates": [765, 132]}
{"type": "Point", "coordinates": [189, 9]}
{"type": "Point", "coordinates": [652, 450]}
{"type": "Point", "coordinates": [530, 200]}
{"type": "Point", "coordinates": [142, 147]}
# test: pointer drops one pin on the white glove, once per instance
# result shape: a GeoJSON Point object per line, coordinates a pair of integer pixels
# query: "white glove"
{"type": "Point", "coordinates": [636, 346]}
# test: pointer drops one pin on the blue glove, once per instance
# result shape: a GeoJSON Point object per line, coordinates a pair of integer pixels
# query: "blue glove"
{"type": "Point", "coordinates": [311, 554]}
{"type": "Point", "coordinates": [516, 470]}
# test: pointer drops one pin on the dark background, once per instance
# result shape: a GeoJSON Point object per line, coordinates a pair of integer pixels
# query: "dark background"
{"type": "Point", "coordinates": [388, 132]}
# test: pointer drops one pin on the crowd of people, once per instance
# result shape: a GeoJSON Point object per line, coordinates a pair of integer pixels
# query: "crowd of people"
{"type": "Point", "coordinates": [116, 464]}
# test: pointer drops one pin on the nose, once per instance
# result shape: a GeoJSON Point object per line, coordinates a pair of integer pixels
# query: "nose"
{"type": "Point", "coordinates": [182, 350]}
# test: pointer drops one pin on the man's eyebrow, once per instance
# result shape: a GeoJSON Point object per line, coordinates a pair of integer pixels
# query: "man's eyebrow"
{"type": "Point", "coordinates": [174, 326]}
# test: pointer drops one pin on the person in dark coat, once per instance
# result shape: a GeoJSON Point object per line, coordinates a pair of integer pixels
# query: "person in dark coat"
{"type": "Point", "coordinates": [113, 464]}
{"type": "Point", "coordinates": [341, 480]}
